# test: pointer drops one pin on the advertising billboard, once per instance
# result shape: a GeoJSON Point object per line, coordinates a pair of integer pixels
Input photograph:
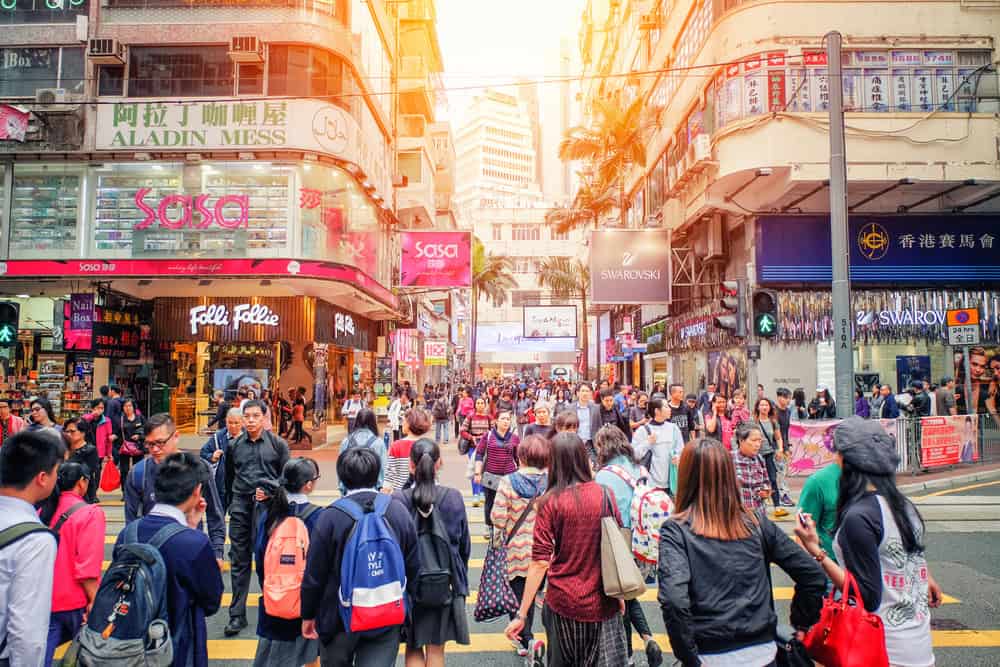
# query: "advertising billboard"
{"type": "Point", "coordinates": [550, 321]}
{"type": "Point", "coordinates": [435, 259]}
{"type": "Point", "coordinates": [630, 266]}
{"type": "Point", "coordinates": [435, 353]}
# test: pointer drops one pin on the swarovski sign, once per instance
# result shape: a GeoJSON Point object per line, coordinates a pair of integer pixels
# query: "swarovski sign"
{"type": "Point", "coordinates": [218, 315]}
{"type": "Point", "coordinates": [630, 266]}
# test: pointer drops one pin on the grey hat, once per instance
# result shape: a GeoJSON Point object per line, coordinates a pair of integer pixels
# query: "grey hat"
{"type": "Point", "coordinates": [865, 445]}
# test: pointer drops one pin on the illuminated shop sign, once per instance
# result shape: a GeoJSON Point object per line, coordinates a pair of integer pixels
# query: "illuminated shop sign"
{"type": "Point", "coordinates": [218, 315]}
{"type": "Point", "coordinates": [184, 206]}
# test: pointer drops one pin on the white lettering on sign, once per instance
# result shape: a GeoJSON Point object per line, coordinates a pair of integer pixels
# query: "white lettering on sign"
{"type": "Point", "coordinates": [437, 250]}
{"type": "Point", "coordinates": [900, 317]}
{"type": "Point", "coordinates": [217, 315]}
{"type": "Point", "coordinates": [343, 325]}
{"type": "Point", "coordinates": [696, 329]}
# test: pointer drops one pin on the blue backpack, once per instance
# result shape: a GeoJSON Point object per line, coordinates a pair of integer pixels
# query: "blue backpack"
{"type": "Point", "coordinates": [372, 573]}
{"type": "Point", "coordinates": [128, 624]}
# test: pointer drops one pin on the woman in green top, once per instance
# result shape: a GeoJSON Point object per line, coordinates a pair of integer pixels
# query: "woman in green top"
{"type": "Point", "coordinates": [772, 446]}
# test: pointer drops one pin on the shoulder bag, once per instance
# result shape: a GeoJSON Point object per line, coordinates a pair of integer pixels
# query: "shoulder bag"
{"type": "Point", "coordinates": [847, 635]}
{"type": "Point", "coordinates": [490, 481]}
{"type": "Point", "coordinates": [496, 599]}
{"type": "Point", "coordinates": [619, 573]}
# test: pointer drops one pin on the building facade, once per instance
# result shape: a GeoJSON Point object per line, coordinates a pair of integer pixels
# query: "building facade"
{"type": "Point", "coordinates": [737, 169]}
{"type": "Point", "coordinates": [177, 151]}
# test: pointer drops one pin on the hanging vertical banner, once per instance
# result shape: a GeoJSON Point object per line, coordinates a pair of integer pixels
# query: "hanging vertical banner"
{"type": "Point", "coordinates": [776, 96]}
{"type": "Point", "coordinates": [876, 90]}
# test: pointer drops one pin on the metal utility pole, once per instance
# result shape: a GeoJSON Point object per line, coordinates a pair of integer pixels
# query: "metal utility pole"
{"type": "Point", "coordinates": [841, 287]}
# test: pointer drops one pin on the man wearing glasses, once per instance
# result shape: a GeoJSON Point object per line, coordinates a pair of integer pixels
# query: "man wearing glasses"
{"type": "Point", "coordinates": [255, 457]}
{"type": "Point", "coordinates": [140, 496]}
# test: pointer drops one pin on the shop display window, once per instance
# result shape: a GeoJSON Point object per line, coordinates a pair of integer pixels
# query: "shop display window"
{"type": "Point", "coordinates": [44, 216]}
{"type": "Point", "coordinates": [27, 69]}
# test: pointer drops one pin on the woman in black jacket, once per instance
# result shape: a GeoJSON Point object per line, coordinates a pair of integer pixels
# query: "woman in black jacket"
{"type": "Point", "coordinates": [131, 432]}
{"type": "Point", "coordinates": [711, 532]}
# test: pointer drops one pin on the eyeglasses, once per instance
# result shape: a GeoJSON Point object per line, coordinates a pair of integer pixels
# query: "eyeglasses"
{"type": "Point", "coordinates": [159, 444]}
{"type": "Point", "coordinates": [71, 430]}
{"type": "Point", "coordinates": [36, 408]}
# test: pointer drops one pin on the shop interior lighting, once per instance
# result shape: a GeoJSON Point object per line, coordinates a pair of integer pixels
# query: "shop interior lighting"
{"type": "Point", "coordinates": [876, 195]}
{"type": "Point", "coordinates": [964, 184]}
{"type": "Point", "coordinates": [367, 185]}
{"type": "Point", "coordinates": [23, 296]}
{"type": "Point", "coordinates": [193, 157]}
{"type": "Point", "coordinates": [142, 156]}
{"type": "Point", "coordinates": [157, 167]}
{"type": "Point", "coordinates": [310, 157]}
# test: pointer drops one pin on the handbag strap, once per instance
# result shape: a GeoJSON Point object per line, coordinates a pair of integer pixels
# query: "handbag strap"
{"type": "Point", "coordinates": [520, 520]}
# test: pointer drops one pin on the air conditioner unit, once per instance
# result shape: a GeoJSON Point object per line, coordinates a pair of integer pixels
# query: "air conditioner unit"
{"type": "Point", "coordinates": [246, 49]}
{"type": "Point", "coordinates": [702, 148]}
{"type": "Point", "coordinates": [50, 96]}
{"type": "Point", "coordinates": [713, 238]}
{"type": "Point", "coordinates": [106, 51]}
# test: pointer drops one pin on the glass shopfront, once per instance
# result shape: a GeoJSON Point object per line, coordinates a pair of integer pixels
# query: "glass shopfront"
{"type": "Point", "coordinates": [45, 211]}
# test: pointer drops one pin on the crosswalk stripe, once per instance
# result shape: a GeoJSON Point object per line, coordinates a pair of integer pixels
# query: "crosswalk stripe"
{"type": "Point", "coordinates": [496, 642]}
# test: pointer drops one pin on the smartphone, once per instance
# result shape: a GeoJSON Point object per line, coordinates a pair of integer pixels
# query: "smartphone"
{"type": "Point", "coordinates": [802, 520]}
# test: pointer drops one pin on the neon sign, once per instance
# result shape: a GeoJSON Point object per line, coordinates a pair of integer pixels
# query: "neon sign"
{"type": "Point", "coordinates": [189, 205]}
{"type": "Point", "coordinates": [217, 315]}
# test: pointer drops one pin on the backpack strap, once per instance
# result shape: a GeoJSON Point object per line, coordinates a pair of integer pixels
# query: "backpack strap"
{"type": "Point", "coordinates": [350, 507]}
{"type": "Point", "coordinates": [64, 517]}
{"type": "Point", "coordinates": [309, 510]}
{"type": "Point", "coordinates": [622, 474]}
{"type": "Point", "coordinates": [371, 441]}
{"type": "Point", "coordinates": [163, 535]}
{"type": "Point", "coordinates": [382, 501]}
{"type": "Point", "coordinates": [16, 532]}
{"type": "Point", "coordinates": [520, 520]}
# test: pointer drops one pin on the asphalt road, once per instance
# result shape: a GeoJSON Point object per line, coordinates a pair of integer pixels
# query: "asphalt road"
{"type": "Point", "coordinates": [962, 545]}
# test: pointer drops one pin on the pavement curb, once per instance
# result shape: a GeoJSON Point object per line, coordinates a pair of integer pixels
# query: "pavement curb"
{"type": "Point", "coordinates": [951, 482]}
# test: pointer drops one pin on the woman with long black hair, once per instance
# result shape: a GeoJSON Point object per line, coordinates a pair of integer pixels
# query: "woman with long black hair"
{"type": "Point", "coordinates": [879, 540]}
{"type": "Point", "coordinates": [430, 628]}
{"type": "Point", "coordinates": [281, 641]}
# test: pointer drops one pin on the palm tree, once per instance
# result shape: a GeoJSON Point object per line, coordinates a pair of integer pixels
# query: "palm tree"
{"type": "Point", "coordinates": [611, 147]}
{"type": "Point", "coordinates": [569, 278]}
{"type": "Point", "coordinates": [589, 204]}
{"type": "Point", "coordinates": [492, 278]}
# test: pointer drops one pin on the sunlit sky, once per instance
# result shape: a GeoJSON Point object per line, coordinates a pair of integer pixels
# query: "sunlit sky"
{"type": "Point", "coordinates": [492, 42]}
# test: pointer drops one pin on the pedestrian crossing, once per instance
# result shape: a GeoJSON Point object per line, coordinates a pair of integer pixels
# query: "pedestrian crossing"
{"type": "Point", "coordinates": [488, 644]}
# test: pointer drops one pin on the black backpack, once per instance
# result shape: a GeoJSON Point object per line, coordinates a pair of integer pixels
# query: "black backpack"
{"type": "Point", "coordinates": [435, 583]}
{"type": "Point", "coordinates": [440, 409]}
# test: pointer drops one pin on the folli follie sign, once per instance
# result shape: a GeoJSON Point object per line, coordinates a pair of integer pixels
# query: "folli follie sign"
{"type": "Point", "coordinates": [233, 319]}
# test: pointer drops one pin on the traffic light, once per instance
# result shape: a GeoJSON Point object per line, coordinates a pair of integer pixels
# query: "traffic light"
{"type": "Point", "coordinates": [734, 297]}
{"type": "Point", "coordinates": [765, 313]}
{"type": "Point", "coordinates": [10, 316]}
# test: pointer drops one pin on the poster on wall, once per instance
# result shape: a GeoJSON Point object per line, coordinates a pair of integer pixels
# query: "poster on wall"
{"type": "Point", "coordinates": [435, 259]}
{"type": "Point", "coordinates": [230, 380]}
{"type": "Point", "coordinates": [550, 321]}
{"type": "Point", "coordinates": [912, 368]}
{"type": "Point", "coordinates": [435, 353]}
{"type": "Point", "coordinates": [984, 369]}
{"type": "Point", "coordinates": [728, 370]}
{"type": "Point", "coordinates": [948, 440]}
{"type": "Point", "coordinates": [812, 444]}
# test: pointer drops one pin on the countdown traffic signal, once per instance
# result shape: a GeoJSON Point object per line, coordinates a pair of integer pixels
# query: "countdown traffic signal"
{"type": "Point", "coordinates": [10, 319]}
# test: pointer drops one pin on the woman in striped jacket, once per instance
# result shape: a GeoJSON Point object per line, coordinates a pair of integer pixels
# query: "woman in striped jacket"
{"type": "Point", "coordinates": [517, 494]}
{"type": "Point", "coordinates": [496, 456]}
{"type": "Point", "coordinates": [474, 427]}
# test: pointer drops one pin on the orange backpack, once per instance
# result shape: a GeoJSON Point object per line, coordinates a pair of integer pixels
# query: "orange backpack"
{"type": "Point", "coordinates": [285, 564]}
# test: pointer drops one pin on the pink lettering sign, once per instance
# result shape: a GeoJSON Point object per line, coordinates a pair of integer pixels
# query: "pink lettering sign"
{"type": "Point", "coordinates": [182, 207]}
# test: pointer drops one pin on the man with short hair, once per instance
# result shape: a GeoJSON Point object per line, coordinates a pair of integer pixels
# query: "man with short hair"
{"type": "Point", "coordinates": [9, 422]}
{"type": "Point", "coordinates": [589, 415]}
{"type": "Point", "coordinates": [611, 415]}
{"type": "Point", "coordinates": [358, 470]}
{"type": "Point", "coordinates": [705, 400]}
{"type": "Point", "coordinates": [194, 578]}
{"type": "Point", "coordinates": [783, 413]}
{"type": "Point", "coordinates": [680, 414]}
{"type": "Point", "coordinates": [29, 462]}
{"type": "Point", "coordinates": [889, 409]}
{"type": "Point", "coordinates": [214, 451]}
{"type": "Point", "coordinates": [221, 410]}
{"type": "Point", "coordinates": [921, 400]}
{"type": "Point", "coordinates": [140, 486]}
{"type": "Point", "coordinates": [255, 458]}
{"type": "Point", "coordinates": [351, 408]}
{"type": "Point", "coordinates": [944, 398]}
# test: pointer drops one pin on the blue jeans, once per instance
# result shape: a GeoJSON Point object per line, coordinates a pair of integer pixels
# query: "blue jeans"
{"type": "Point", "coordinates": [63, 627]}
{"type": "Point", "coordinates": [439, 428]}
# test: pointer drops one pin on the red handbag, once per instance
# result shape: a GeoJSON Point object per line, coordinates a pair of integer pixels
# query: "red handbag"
{"type": "Point", "coordinates": [847, 635]}
{"type": "Point", "coordinates": [111, 479]}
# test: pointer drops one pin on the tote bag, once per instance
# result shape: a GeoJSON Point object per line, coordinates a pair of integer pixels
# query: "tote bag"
{"type": "Point", "coordinates": [619, 573]}
{"type": "Point", "coordinates": [847, 635]}
{"type": "Point", "coordinates": [496, 598]}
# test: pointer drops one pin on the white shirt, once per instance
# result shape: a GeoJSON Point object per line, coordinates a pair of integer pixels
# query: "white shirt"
{"type": "Point", "coordinates": [669, 443]}
{"type": "Point", "coordinates": [26, 569]}
{"type": "Point", "coordinates": [298, 498]}
{"type": "Point", "coordinates": [170, 512]}
{"type": "Point", "coordinates": [352, 408]}
{"type": "Point", "coordinates": [748, 656]}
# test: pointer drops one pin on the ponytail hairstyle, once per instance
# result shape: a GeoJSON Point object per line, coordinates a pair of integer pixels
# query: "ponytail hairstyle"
{"type": "Point", "coordinates": [294, 476]}
{"type": "Point", "coordinates": [424, 455]}
{"type": "Point", "coordinates": [70, 473]}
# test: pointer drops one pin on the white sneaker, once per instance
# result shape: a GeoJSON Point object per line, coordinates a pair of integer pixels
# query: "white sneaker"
{"type": "Point", "coordinates": [521, 650]}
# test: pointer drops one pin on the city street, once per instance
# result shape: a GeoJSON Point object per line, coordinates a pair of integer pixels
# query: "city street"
{"type": "Point", "coordinates": [963, 532]}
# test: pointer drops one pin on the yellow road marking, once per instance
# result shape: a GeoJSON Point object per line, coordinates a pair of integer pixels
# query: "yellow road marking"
{"type": "Point", "coordinates": [496, 642]}
{"type": "Point", "coordinates": [957, 489]}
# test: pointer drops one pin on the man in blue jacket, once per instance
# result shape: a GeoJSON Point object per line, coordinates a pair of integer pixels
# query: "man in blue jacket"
{"type": "Point", "coordinates": [215, 449]}
{"type": "Point", "coordinates": [194, 580]}
{"type": "Point", "coordinates": [889, 408]}
{"type": "Point", "coordinates": [357, 469]}
{"type": "Point", "coordinates": [140, 485]}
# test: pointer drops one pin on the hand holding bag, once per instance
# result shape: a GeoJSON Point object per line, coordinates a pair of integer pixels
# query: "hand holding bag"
{"type": "Point", "coordinates": [111, 478]}
{"type": "Point", "coordinates": [496, 598]}
{"type": "Point", "coordinates": [847, 635]}
{"type": "Point", "coordinates": [619, 573]}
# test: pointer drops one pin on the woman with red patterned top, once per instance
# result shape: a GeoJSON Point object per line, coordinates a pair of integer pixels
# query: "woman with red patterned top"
{"type": "Point", "coordinates": [583, 625]}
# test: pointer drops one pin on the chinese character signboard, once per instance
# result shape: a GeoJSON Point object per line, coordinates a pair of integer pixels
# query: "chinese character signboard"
{"type": "Point", "coordinates": [630, 266]}
{"type": "Point", "coordinates": [884, 249]}
{"type": "Point", "coordinates": [435, 259]}
{"type": "Point", "coordinates": [963, 326]}
{"type": "Point", "coordinates": [308, 125]}
{"type": "Point", "coordinates": [116, 334]}
{"type": "Point", "coordinates": [947, 440]}
{"type": "Point", "coordinates": [435, 353]}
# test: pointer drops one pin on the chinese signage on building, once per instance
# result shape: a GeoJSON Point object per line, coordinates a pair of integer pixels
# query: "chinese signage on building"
{"type": "Point", "coordinates": [435, 259]}
{"type": "Point", "coordinates": [884, 249]}
{"type": "Point", "coordinates": [435, 353]}
{"type": "Point", "coordinates": [308, 125]}
{"type": "Point", "coordinates": [630, 266]}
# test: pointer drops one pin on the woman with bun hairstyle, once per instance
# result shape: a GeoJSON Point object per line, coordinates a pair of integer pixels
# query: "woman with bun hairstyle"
{"type": "Point", "coordinates": [429, 628]}
{"type": "Point", "coordinates": [281, 641]}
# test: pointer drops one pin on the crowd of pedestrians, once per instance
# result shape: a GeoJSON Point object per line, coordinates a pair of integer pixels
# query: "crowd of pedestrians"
{"type": "Point", "coordinates": [684, 479]}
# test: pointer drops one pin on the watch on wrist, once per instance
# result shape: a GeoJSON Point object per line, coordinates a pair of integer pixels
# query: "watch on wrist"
{"type": "Point", "coordinates": [820, 556]}
{"type": "Point", "coordinates": [519, 616]}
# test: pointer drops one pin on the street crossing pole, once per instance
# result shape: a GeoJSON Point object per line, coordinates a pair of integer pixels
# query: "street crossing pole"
{"type": "Point", "coordinates": [841, 288]}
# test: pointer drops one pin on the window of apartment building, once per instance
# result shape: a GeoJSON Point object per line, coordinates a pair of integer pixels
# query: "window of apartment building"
{"type": "Point", "coordinates": [25, 70]}
{"type": "Point", "coordinates": [526, 232]}
{"type": "Point", "coordinates": [410, 166]}
{"type": "Point", "coordinates": [20, 12]}
{"type": "Point", "coordinates": [556, 235]}
{"type": "Point", "coordinates": [310, 72]}
{"type": "Point", "coordinates": [526, 297]}
{"type": "Point", "coordinates": [250, 79]}
{"type": "Point", "coordinates": [180, 71]}
{"type": "Point", "coordinates": [497, 232]}
{"type": "Point", "coordinates": [111, 80]}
